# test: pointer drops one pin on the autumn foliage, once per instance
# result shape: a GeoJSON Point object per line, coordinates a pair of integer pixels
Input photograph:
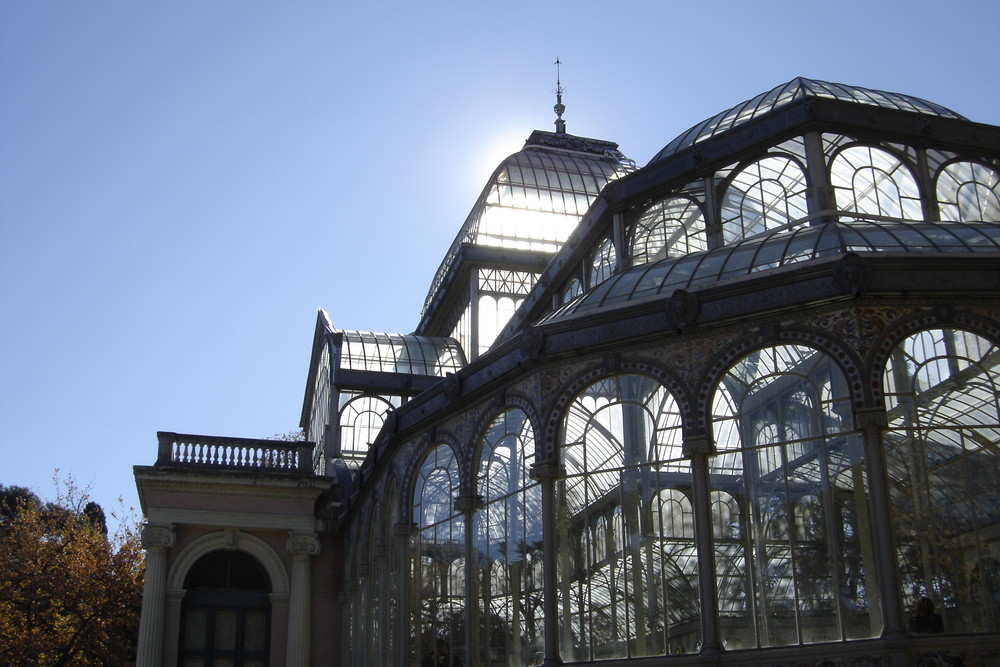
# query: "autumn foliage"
{"type": "Point", "coordinates": [70, 594]}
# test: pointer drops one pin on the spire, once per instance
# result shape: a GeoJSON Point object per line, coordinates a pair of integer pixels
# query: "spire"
{"type": "Point", "coordinates": [559, 106]}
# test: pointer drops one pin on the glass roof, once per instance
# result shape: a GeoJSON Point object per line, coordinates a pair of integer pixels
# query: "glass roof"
{"type": "Point", "coordinates": [536, 197]}
{"type": "Point", "coordinates": [793, 90]}
{"type": "Point", "coordinates": [397, 353]}
{"type": "Point", "coordinates": [782, 248]}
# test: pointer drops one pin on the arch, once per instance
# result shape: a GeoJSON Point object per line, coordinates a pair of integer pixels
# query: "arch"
{"type": "Point", "coordinates": [906, 326]}
{"type": "Point", "coordinates": [602, 262]}
{"type": "Point", "coordinates": [620, 445]}
{"type": "Point", "coordinates": [506, 535]}
{"type": "Point", "coordinates": [245, 542]}
{"type": "Point", "coordinates": [670, 227]}
{"type": "Point", "coordinates": [942, 399]}
{"type": "Point", "coordinates": [847, 359]}
{"type": "Point", "coordinates": [361, 418]}
{"type": "Point", "coordinates": [680, 391]}
{"type": "Point", "coordinates": [872, 180]}
{"type": "Point", "coordinates": [784, 428]}
{"type": "Point", "coordinates": [420, 448]}
{"type": "Point", "coordinates": [438, 549]}
{"type": "Point", "coordinates": [765, 194]}
{"type": "Point", "coordinates": [967, 191]}
{"type": "Point", "coordinates": [511, 401]}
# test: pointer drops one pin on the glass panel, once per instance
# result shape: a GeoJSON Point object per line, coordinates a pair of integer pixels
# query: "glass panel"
{"type": "Point", "coordinates": [873, 181]}
{"type": "Point", "coordinates": [602, 263]}
{"type": "Point", "coordinates": [790, 504]}
{"type": "Point", "coordinates": [396, 353]}
{"type": "Point", "coordinates": [195, 623]}
{"type": "Point", "coordinates": [767, 194]}
{"type": "Point", "coordinates": [627, 562]}
{"type": "Point", "coordinates": [438, 560]}
{"type": "Point", "coordinates": [534, 202]}
{"type": "Point", "coordinates": [942, 390]}
{"type": "Point", "coordinates": [361, 419]}
{"type": "Point", "coordinates": [672, 227]}
{"type": "Point", "coordinates": [783, 247]}
{"type": "Point", "coordinates": [255, 630]}
{"type": "Point", "coordinates": [494, 314]}
{"type": "Point", "coordinates": [508, 545]}
{"type": "Point", "coordinates": [225, 629]}
{"type": "Point", "coordinates": [968, 191]}
{"type": "Point", "coordinates": [788, 92]}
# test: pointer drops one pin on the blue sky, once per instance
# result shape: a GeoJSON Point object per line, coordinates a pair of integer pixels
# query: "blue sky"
{"type": "Point", "coordinates": [183, 184]}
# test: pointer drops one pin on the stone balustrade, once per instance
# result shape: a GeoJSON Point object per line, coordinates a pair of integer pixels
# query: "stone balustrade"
{"type": "Point", "coordinates": [207, 451]}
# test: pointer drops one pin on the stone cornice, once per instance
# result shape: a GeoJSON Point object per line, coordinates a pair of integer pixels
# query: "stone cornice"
{"type": "Point", "coordinates": [284, 487]}
{"type": "Point", "coordinates": [234, 519]}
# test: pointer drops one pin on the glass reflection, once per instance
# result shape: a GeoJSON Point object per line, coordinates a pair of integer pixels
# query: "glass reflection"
{"type": "Point", "coordinates": [942, 390]}
{"type": "Point", "coordinates": [507, 536]}
{"type": "Point", "coordinates": [627, 578]}
{"type": "Point", "coordinates": [438, 558]}
{"type": "Point", "coordinates": [673, 227]}
{"type": "Point", "coordinates": [790, 504]}
{"type": "Point", "coordinates": [873, 181]}
{"type": "Point", "coordinates": [767, 194]}
{"type": "Point", "coordinates": [968, 191]}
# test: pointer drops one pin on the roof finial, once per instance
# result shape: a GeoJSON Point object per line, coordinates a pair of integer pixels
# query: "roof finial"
{"type": "Point", "coordinates": [559, 106]}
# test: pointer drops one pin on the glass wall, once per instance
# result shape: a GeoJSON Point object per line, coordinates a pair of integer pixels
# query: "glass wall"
{"type": "Point", "coordinates": [437, 564]}
{"type": "Point", "coordinates": [790, 506]}
{"type": "Point", "coordinates": [873, 181]}
{"type": "Point", "coordinates": [627, 576]}
{"type": "Point", "coordinates": [672, 227]}
{"type": "Point", "coordinates": [968, 191]}
{"type": "Point", "coordinates": [361, 418]}
{"type": "Point", "coordinates": [507, 534]}
{"type": "Point", "coordinates": [764, 195]}
{"type": "Point", "coordinates": [941, 450]}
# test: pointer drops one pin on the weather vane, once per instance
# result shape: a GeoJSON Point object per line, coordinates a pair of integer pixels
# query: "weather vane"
{"type": "Point", "coordinates": [559, 107]}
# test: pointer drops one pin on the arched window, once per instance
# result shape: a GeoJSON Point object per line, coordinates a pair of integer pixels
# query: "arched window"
{"type": "Point", "coordinates": [438, 552]}
{"type": "Point", "coordinates": [873, 181]}
{"type": "Point", "coordinates": [764, 195]}
{"type": "Point", "coordinates": [226, 614]}
{"type": "Point", "coordinates": [573, 290]}
{"type": "Point", "coordinates": [508, 542]}
{"type": "Point", "coordinates": [675, 518]}
{"type": "Point", "coordinates": [968, 191]}
{"type": "Point", "coordinates": [780, 453]}
{"type": "Point", "coordinates": [672, 227]}
{"type": "Point", "coordinates": [942, 390]}
{"type": "Point", "coordinates": [633, 593]}
{"type": "Point", "coordinates": [361, 419]}
{"type": "Point", "coordinates": [602, 263]}
{"type": "Point", "coordinates": [494, 314]}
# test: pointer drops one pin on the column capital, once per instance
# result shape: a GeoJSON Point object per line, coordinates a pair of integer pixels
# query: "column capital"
{"type": "Point", "coordinates": [468, 503]}
{"type": "Point", "coordinates": [871, 416]}
{"type": "Point", "coordinates": [303, 544]}
{"type": "Point", "coordinates": [404, 529]}
{"type": "Point", "coordinates": [544, 471]}
{"type": "Point", "coordinates": [157, 537]}
{"type": "Point", "coordinates": [697, 445]}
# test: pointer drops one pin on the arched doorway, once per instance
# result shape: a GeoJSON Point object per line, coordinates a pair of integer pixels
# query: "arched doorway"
{"type": "Point", "coordinates": [225, 620]}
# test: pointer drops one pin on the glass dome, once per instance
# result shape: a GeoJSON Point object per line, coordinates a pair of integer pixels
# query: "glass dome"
{"type": "Point", "coordinates": [783, 248]}
{"type": "Point", "coordinates": [537, 196]}
{"type": "Point", "coordinates": [789, 92]}
{"type": "Point", "coordinates": [398, 353]}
